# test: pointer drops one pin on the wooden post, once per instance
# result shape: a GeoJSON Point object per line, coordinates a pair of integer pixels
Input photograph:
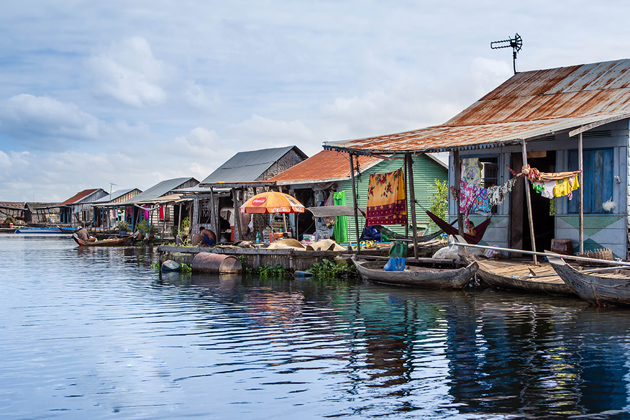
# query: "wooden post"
{"type": "Point", "coordinates": [529, 206]}
{"type": "Point", "coordinates": [213, 217]}
{"type": "Point", "coordinates": [412, 199]}
{"type": "Point", "coordinates": [408, 186]}
{"type": "Point", "coordinates": [237, 217]}
{"type": "Point", "coordinates": [356, 205]}
{"type": "Point", "coordinates": [458, 182]}
{"type": "Point", "coordinates": [581, 178]}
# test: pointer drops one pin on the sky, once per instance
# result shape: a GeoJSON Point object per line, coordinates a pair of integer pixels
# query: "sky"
{"type": "Point", "coordinates": [124, 94]}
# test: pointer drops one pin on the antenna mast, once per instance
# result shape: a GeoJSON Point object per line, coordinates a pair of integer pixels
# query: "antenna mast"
{"type": "Point", "coordinates": [515, 43]}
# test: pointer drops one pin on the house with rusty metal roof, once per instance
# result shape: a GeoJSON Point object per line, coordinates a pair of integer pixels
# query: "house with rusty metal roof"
{"type": "Point", "coordinates": [561, 119]}
{"type": "Point", "coordinates": [314, 180]}
{"type": "Point", "coordinates": [78, 210]}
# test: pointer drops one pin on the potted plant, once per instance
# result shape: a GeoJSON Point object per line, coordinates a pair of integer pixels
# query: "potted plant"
{"type": "Point", "coordinates": [123, 227]}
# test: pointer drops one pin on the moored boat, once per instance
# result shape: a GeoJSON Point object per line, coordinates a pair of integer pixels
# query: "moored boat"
{"type": "Point", "coordinates": [599, 287]}
{"type": "Point", "coordinates": [38, 230]}
{"type": "Point", "coordinates": [520, 275]}
{"type": "Point", "coordinates": [416, 275]}
{"type": "Point", "coordinates": [125, 240]}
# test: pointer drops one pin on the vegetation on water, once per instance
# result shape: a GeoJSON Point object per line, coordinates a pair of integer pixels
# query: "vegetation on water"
{"type": "Point", "coordinates": [266, 271]}
{"type": "Point", "coordinates": [332, 269]}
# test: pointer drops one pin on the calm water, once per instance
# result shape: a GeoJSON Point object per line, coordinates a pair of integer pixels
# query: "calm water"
{"type": "Point", "coordinates": [97, 334]}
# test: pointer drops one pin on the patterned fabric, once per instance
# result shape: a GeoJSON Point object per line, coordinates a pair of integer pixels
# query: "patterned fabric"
{"type": "Point", "coordinates": [482, 204]}
{"type": "Point", "coordinates": [468, 198]}
{"type": "Point", "coordinates": [471, 171]}
{"type": "Point", "coordinates": [386, 200]}
{"type": "Point", "coordinates": [497, 194]}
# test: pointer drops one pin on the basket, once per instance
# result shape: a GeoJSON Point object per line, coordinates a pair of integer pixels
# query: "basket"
{"type": "Point", "coordinates": [600, 254]}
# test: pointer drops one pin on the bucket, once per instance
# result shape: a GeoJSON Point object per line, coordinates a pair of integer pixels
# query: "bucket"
{"type": "Point", "coordinates": [208, 262]}
{"type": "Point", "coordinates": [562, 246]}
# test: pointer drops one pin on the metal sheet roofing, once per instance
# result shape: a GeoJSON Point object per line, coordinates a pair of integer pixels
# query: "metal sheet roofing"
{"type": "Point", "coordinates": [529, 105]}
{"type": "Point", "coordinates": [250, 165]}
{"type": "Point", "coordinates": [326, 165]}
{"type": "Point", "coordinates": [158, 190]}
{"type": "Point", "coordinates": [116, 194]}
{"type": "Point", "coordinates": [79, 196]}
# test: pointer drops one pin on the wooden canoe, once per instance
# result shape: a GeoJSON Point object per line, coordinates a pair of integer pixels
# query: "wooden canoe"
{"type": "Point", "coordinates": [126, 240]}
{"type": "Point", "coordinates": [522, 276]}
{"type": "Point", "coordinates": [597, 288]}
{"type": "Point", "coordinates": [416, 276]}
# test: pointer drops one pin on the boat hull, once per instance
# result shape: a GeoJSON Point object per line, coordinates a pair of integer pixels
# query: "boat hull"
{"type": "Point", "coordinates": [107, 242]}
{"type": "Point", "coordinates": [420, 277]}
{"type": "Point", "coordinates": [38, 231]}
{"type": "Point", "coordinates": [512, 276]}
{"type": "Point", "coordinates": [595, 289]}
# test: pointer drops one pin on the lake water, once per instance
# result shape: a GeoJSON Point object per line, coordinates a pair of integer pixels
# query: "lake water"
{"type": "Point", "coordinates": [98, 334]}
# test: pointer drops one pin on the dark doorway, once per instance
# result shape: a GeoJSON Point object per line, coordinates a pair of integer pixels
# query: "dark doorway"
{"type": "Point", "coordinates": [542, 209]}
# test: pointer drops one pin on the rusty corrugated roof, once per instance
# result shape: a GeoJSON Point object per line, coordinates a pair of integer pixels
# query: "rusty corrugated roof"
{"type": "Point", "coordinates": [78, 196]}
{"type": "Point", "coordinates": [529, 105]}
{"type": "Point", "coordinates": [327, 165]}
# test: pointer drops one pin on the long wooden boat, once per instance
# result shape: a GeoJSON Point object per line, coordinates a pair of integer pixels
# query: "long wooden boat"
{"type": "Point", "coordinates": [520, 275]}
{"type": "Point", "coordinates": [416, 276]}
{"type": "Point", "coordinates": [126, 240]}
{"type": "Point", "coordinates": [598, 288]}
{"type": "Point", "coordinates": [38, 231]}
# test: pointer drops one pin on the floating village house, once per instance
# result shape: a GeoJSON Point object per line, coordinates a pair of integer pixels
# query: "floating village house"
{"type": "Point", "coordinates": [109, 209]}
{"type": "Point", "coordinates": [161, 205]}
{"type": "Point", "coordinates": [556, 120]}
{"type": "Point", "coordinates": [323, 183]}
{"type": "Point", "coordinates": [78, 210]}
{"type": "Point", "coordinates": [218, 197]}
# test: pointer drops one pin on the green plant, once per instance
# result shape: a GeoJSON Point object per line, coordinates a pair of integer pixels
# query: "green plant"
{"type": "Point", "coordinates": [9, 219]}
{"type": "Point", "coordinates": [122, 225]}
{"type": "Point", "coordinates": [439, 199]}
{"type": "Point", "coordinates": [185, 268]}
{"type": "Point", "coordinates": [185, 230]}
{"type": "Point", "coordinates": [143, 226]}
{"type": "Point", "coordinates": [331, 269]}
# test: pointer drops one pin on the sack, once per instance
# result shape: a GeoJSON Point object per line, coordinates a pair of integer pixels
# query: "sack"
{"type": "Point", "coordinates": [398, 249]}
{"type": "Point", "coordinates": [395, 264]}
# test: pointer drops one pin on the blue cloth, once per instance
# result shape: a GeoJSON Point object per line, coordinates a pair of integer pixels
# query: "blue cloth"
{"type": "Point", "coordinates": [208, 240]}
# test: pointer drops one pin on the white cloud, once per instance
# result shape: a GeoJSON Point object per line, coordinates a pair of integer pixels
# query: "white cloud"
{"type": "Point", "coordinates": [129, 73]}
{"type": "Point", "coordinates": [41, 119]}
{"type": "Point", "coordinates": [259, 133]}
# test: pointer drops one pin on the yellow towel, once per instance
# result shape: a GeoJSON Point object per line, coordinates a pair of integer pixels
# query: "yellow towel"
{"type": "Point", "coordinates": [386, 201]}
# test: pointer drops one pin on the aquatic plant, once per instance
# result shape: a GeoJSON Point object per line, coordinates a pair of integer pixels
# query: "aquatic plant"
{"type": "Point", "coordinates": [332, 269]}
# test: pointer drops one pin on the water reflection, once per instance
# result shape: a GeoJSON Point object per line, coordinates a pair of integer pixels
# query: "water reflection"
{"type": "Point", "coordinates": [99, 333]}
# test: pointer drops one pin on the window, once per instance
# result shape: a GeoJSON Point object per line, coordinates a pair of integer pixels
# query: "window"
{"type": "Point", "coordinates": [598, 179]}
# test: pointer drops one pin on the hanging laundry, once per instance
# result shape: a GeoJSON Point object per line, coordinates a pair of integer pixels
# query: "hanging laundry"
{"type": "Point", "coordinates": [548, 187]}
{"type": "Point", "coordinates": [566, 186]}
{"type": "Point", "coordinates": [161, 212]}
{"type": "Point", "coordinates": [386, 200]}
{"type": "Point", "coordinates": [482, 204]}
{"type": "Point", "coordinates": [468, 198]}
{"type": "Point", "coordinates": [471, 171]}
{"type": "Point", "coordinates": [539, 187]}
{"type": "Point", "coordinates": [497, 194]}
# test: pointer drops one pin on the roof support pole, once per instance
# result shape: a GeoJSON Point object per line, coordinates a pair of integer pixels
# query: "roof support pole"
{"type": "Point", "coordinates": [581, 177]}
{"type": "Point", "coordinates": [407, 185]}
{"type": "Point", "coordinates": [214, 220]}
{"type": "Point", "coordinates": [412, 199]}
{"type": "Point", "coordinates": [458, 181]}
{"type": "Point", "coordinates": [237, 216]}
{"type": "Point", "coordinates": [355, 203]}
{"type": "Point", "coordinates": [529, 206]}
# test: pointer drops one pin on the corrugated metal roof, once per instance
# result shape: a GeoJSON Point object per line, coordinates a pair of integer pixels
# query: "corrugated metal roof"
{"type": "Point", "coordinates": [79, 196]}
{"type": "Point", "coordinates": [158, 190]}
{"type": "Point", "coordinates": [527, 106]}
{"type": "Point", "coordinates": [249, 166]}
{"type": "Point", "coordinates": [17, 205]}
{"type": "Point", "coordinates": [116, 194]}
{"type": "Point", "coordinates": [327, 165]}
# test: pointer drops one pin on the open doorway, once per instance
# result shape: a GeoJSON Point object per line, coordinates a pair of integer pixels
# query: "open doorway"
{"type": "Point", "coordinates": [543, 210]}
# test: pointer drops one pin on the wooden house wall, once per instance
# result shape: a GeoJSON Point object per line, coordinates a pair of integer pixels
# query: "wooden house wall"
{"type": "Point", "coordinates": [601, 229]}
{"type": "Point", "coordinates": [287, 161]}
{"type": "Point", "coordinates": [425, 172]}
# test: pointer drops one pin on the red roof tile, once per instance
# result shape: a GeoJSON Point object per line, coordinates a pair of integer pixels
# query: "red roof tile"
{"type": "Point", "coordinates": [78, 196]}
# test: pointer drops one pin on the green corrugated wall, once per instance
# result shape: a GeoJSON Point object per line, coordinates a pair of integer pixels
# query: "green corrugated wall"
{"type": "Point", "coordinates": [425, 171]}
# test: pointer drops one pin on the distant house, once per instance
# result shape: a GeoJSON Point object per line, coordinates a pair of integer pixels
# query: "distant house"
{"type": "Point", "coordinates": [108, 209]}
{"type": "Point", "coordinates": [42, 213]}
{"type": "Point", "coordinates": [235, 181]}
{"type": "Point", "coordinates": [541, 116]}
{"type": "Point", "coordinates": [158, 204]}
{"type": "Point", "coordinates": [77, 210]}
{"type": "Point", "coordinates": [313, 181]}
{"type": "Point", "coordinates": [15, 209]}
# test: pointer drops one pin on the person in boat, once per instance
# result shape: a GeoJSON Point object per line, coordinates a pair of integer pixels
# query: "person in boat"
{"type": "Point", "coordinates": [84, 235]}
{"type": "Point", "coordinates": [470, 229]}
{"type": "Point", "coordinates": [208, 237]}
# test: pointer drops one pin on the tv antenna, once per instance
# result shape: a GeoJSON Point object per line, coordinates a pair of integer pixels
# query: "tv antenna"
{"type": "Point", "coordinates": [515, 43]}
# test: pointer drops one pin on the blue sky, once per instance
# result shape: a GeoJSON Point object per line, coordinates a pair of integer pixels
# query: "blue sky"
{"type": "Point", "coordinates": [94, 93]}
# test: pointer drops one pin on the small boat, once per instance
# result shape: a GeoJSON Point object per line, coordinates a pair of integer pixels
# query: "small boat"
{"type": "Point", "coordinates": [416, 275]}
{"type": "Point", "coordinates": [38, 231]}
{"type": "Point", "coordinates": [125, 240]}
{"type": "Point", "coordinates": [599, 287]}
{"type": "Point", "coordinates": [520, 275]}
